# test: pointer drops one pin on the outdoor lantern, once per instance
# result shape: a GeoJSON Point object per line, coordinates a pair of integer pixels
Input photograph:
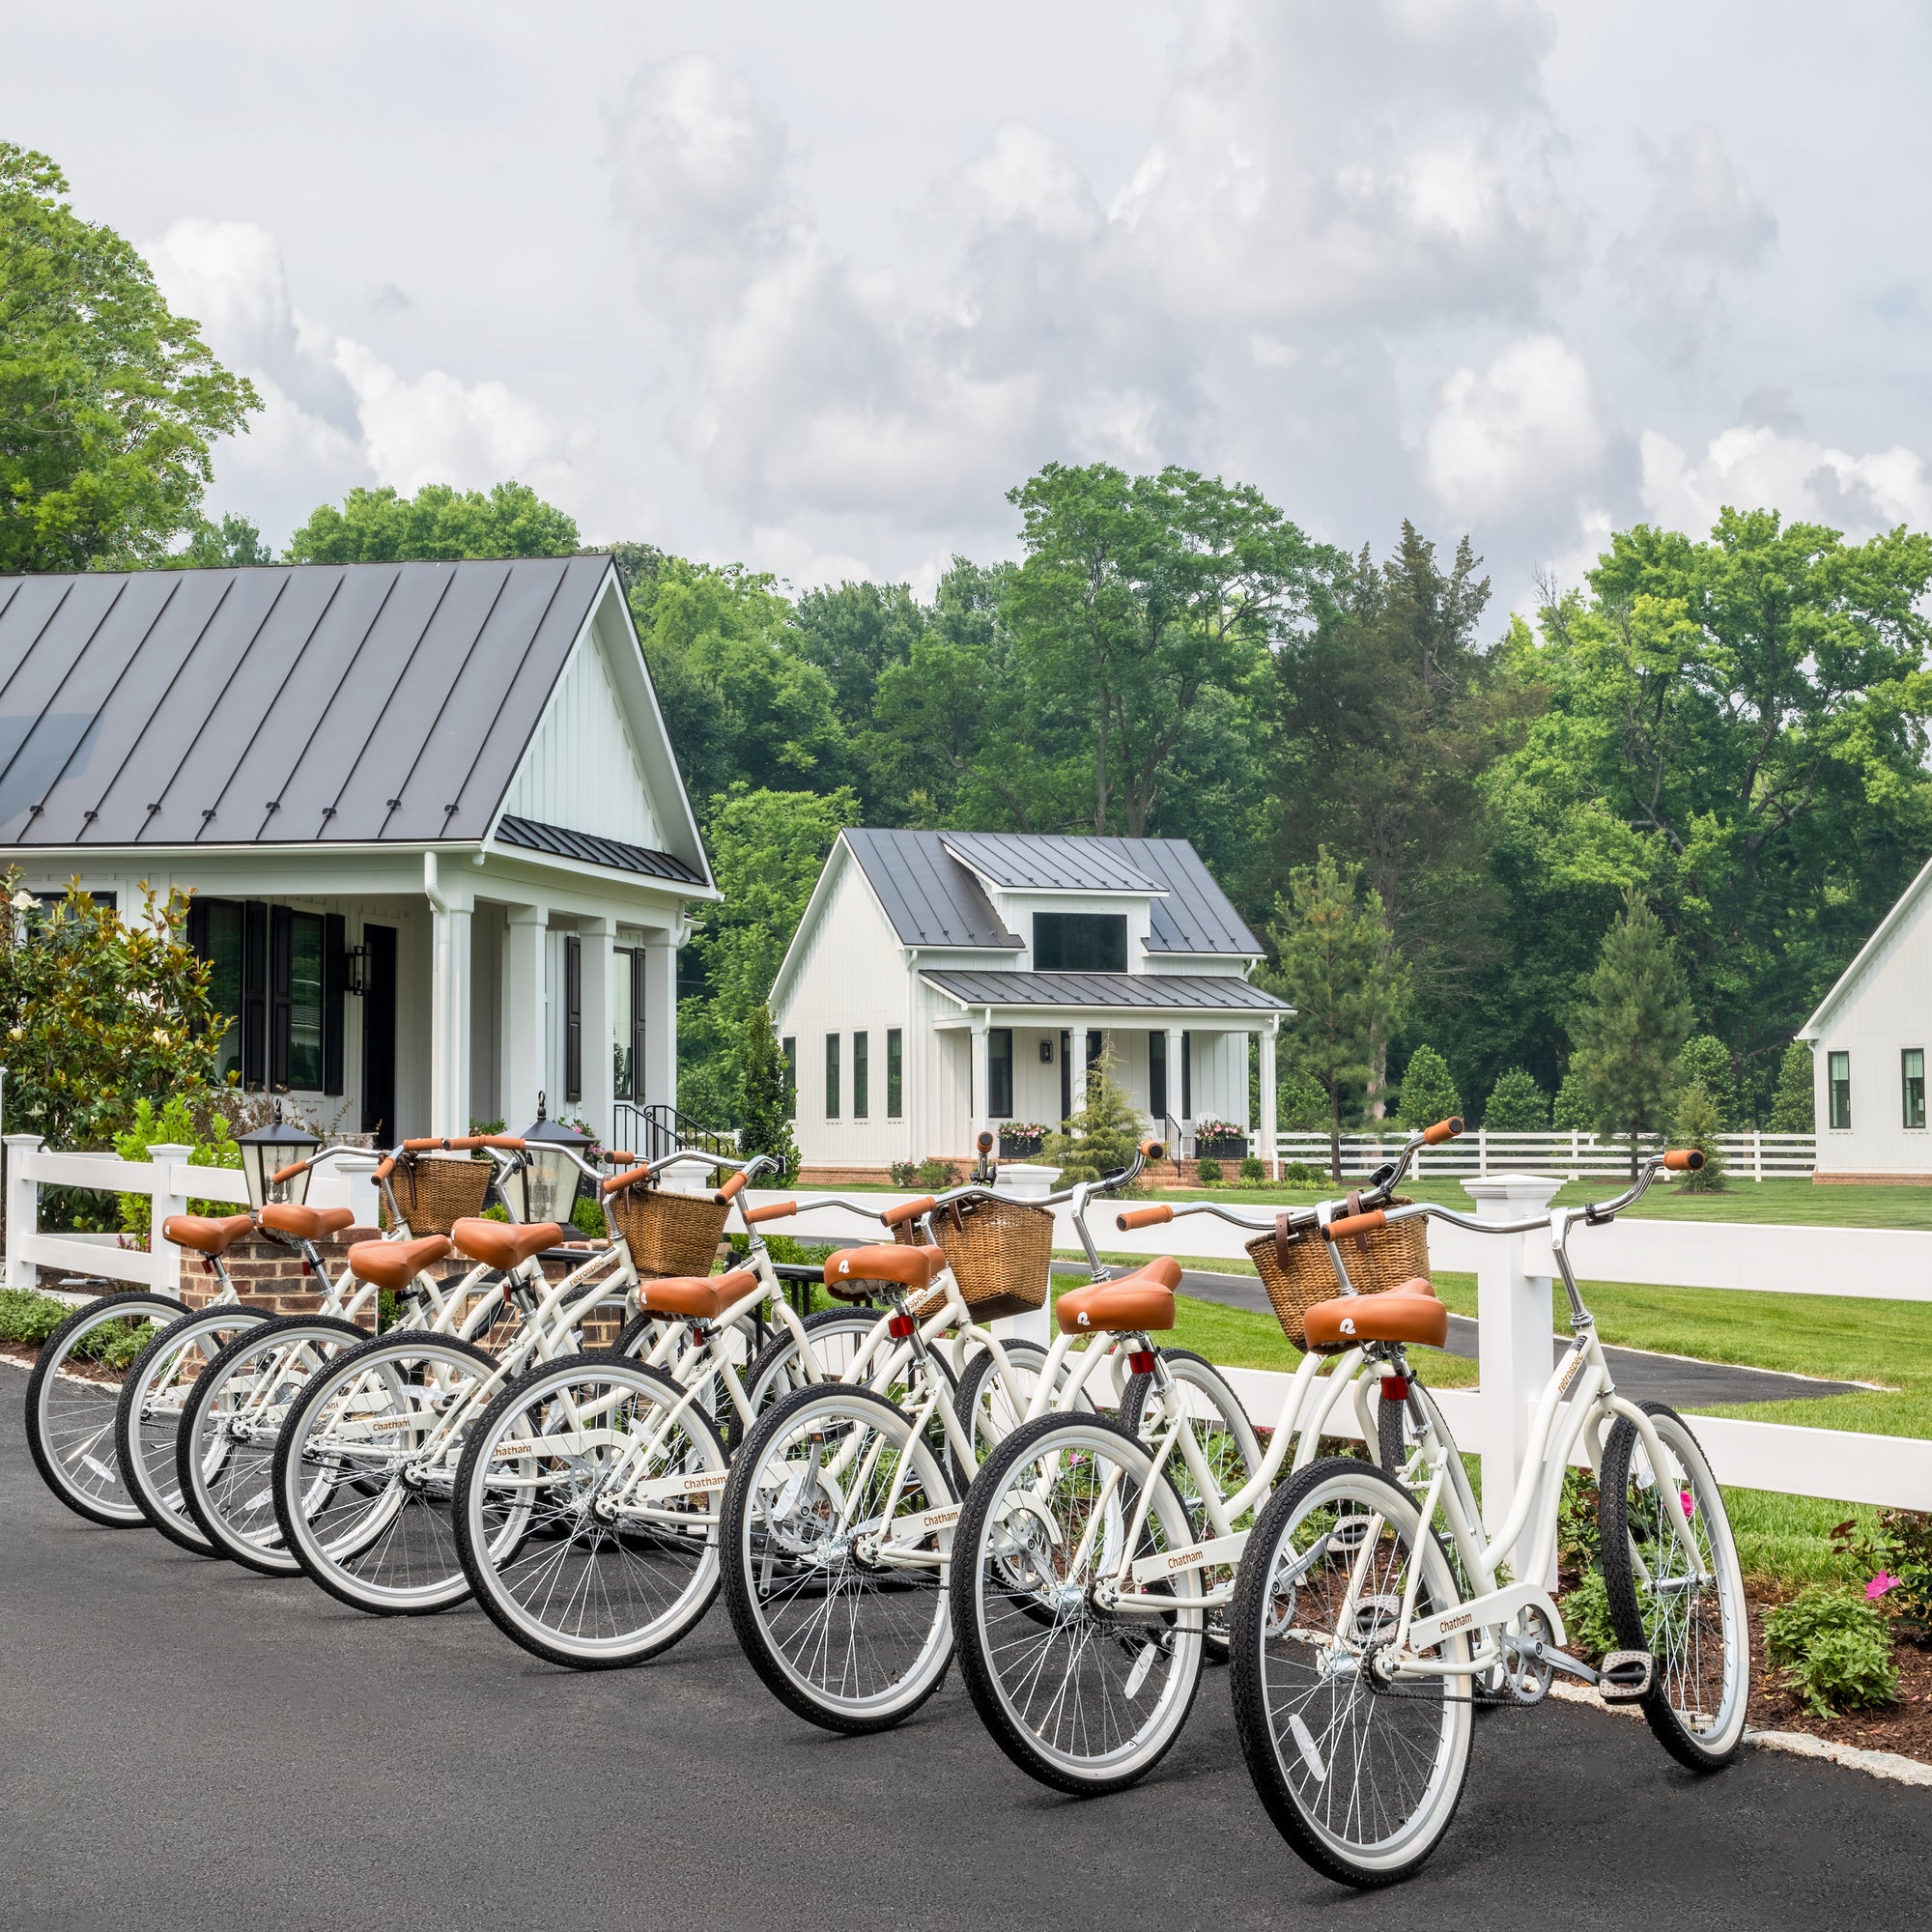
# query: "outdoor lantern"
{"type": "Point", "coordinates": [268, 1150]}
{"type": "Point", "coordinates": [544, 1183]}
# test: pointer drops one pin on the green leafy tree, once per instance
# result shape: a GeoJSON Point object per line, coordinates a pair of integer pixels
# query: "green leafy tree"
{"type": "Point", "coordinates": [765, 1109]}
{"type": "Point", "coordinates": [1739, 727]}
{"type": "Point", "coordinates": [1336, 964]}
{"type": "Point", "coordinates": [1427, 1091]}
{"type": "Point", "coordinates": [1572, 1110]}
{"type": "Point", "coordinates": [1104, 1134]}
{"type": "Point", "coordinates": [234, 542]}
{"type": "Point", "coordinates": [438, 523]}
{"type": "Point", "coordinates": [1794, 1107]}
{"type": "Point", "coordinates": [1706, 1059]}
{"type": "Point", "coordinates": [99, 1016]}
{"type": "Point", "coordinates": [1138, 594]}
{"type": "Point", "coordinates": [1694, 1124]}
{"type": "Point", "coordinates": [767, 851]}
{"type": "Point", "coordinates": [186, 1120]}
{"type": "Point", "coordinates": [1517, 1105]}
{"type": "Point", "coordinates": [1632, 1027]}
{"type": "Point", "coordinates": [108, 400]}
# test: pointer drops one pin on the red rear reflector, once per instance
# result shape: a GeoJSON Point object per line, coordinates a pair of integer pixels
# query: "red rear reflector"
{"type": "Point", "coordinates": [1141, 1361]}
{"type": "Point", "coordinates": [900, 1327]}
{"type": "Point", "coordinates": [1395, 1388]}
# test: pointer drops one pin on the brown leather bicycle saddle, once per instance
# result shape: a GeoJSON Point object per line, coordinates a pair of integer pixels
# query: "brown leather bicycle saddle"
{"type": "Point", "coordinates": [504, 1244]}
{"type": "Point", "coordinates": [851, 1273]}
{"type": "Point", "coordinates": [1409, 1313]}
{"type": "Point", "coordinates": [305, 1223]}
{"type": "Point", "coordinates": [695, 1297]}
{"type": "Point", "coordinates": [395, 1265]}
{"type": "Point", "coordinates": [208, 1234]}
{"type": "Point", "coordinates": [1134, 1302]}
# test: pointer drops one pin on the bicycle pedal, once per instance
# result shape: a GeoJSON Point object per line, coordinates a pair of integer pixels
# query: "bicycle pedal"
{"type": "Point", "coordinates": [1625, 1676]}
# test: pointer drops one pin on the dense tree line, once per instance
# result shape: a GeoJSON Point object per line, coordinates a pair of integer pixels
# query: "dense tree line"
{"type": "Point", "coordinates": [1481, 848]}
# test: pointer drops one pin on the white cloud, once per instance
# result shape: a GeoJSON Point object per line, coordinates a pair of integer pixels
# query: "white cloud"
{"type": "Point", "coordinates": [334, 414]}
{"type": "Point", "coordinates": [1528, 425]}
{"type": "Point", "coordinates": [1763, 468]}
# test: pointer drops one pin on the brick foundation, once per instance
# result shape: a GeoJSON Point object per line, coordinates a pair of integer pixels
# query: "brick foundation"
{"type": "Point", "coordinates": [1871, 1180]}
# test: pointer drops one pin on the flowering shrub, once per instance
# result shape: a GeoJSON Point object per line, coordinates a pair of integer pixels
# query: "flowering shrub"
{"type": "Point", "coordinates": [1897, 1556]}
{"type": "Point", "coordinates": [1833, 1648]}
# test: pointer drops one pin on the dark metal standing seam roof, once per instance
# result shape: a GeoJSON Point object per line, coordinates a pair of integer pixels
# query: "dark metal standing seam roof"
{"type": "Point", "coordinates": [1163, 992]}
{"type": "Point", "coordinates": [536, 837]}
{"type": "Point", "coordinates": [933, 899]}
{"type": "Point", "coordinates": [356, 703]}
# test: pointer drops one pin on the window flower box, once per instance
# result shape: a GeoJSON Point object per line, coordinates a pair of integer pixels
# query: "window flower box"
{"type": "Point", "coordinates": [1021, 1140]}
{"type": "Point", "coordinates": [1219, 1140]}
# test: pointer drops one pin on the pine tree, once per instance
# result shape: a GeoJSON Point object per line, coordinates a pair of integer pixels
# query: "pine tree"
{"type": "Point", "coordinates": [1106, 1132]}
{"type": "Point", "coordinates": [1517, 1105]}
{"type": "Point", "coordinates": [1632, 1026]}
{"type": "Point", "coordinates": [1337, 966]}
{"type": "Point", "coordinates": [1794, 1106]}
{"type": "Point", "coordinates": [1695, 1124]}
{"type": "Point", "coordinates": [1427, 1091]}
{"type": "Point", "coordinates": [768, 1099]}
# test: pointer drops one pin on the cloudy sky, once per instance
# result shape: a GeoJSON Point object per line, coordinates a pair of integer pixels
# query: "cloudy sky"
{"type": "Point", "coordinates": [812, 287]}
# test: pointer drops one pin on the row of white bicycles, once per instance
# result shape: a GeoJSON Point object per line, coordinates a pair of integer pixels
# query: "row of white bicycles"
{"type": "Point", "coordinates": [892, 1479]}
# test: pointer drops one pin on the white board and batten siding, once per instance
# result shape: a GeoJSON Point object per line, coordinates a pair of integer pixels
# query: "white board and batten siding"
{"type": "Point", "coordinates": [1880, 1010]}
{"type": "Point", "coordinates": [581, 768]}
{"type": "Point", "coordinates": [852, 977]}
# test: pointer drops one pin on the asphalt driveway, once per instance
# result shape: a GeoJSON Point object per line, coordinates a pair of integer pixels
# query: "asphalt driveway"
{"type": "Point", "coordinates": [186, 1745]}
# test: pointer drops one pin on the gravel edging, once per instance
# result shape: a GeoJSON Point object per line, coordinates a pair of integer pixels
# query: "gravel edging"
{"type": "Point", "coordinates": [1891, 1765]}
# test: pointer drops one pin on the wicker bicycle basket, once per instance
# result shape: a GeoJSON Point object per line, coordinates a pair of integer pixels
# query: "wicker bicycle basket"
{"type": "Point", "coordinates": [1001, 1254]}
{"type": "Point", "coordinates": [436, 1190]}
{"type": "Point", "coordinates": [668, 1234]}
{"type": "Point", "coordinates": [1382, 1259]}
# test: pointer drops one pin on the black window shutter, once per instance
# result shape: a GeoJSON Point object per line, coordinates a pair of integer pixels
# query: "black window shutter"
{"type": "Point", "coordinates": [334, 962]}
{"type": "Point", "coordinates": [281, 932]}
{"type": "Point", "coordinates": [573, 1019]}
{"type": "Point", "coordinates": [254, 994]}
{"type": "Point", "coordinates": [197, 929]}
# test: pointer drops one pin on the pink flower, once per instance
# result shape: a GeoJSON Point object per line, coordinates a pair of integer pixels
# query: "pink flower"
{"type": "Point", "coordinates": [1690, 1507]}
{"type": "Point", "coordinates": [1880, 1584]}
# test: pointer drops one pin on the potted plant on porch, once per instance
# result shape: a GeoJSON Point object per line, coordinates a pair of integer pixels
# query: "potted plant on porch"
{"type": "Point", "coordinates": [1219, 1140]}
{"type": "Point", "coordinates": [1021, 1140]}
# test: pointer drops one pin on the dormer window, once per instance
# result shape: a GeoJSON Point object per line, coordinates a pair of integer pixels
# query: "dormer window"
{"type": "Point", "coordinates": [1080, 942]}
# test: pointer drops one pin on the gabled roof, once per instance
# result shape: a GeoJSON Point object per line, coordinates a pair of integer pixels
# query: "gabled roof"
{"type": "Point", "coordinates": [561, 843]}
{"type": "Point", "coordinates": [1868, 951]}
{"type": "Point", "coordinates": [1107, 992]}
{"type": "Point", "coordinates": [294, 704]}
{"type": "Point", "coordinates": [934, 898]}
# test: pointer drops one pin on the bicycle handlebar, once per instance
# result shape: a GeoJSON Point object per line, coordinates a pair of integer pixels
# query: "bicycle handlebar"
{"type": "Point", "coordinates": [1358, 1224]}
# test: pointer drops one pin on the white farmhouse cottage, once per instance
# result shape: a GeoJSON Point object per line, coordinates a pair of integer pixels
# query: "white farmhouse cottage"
{"type": "Point", "coordinates": [1870, 1039]}
{"type": "Point", "coordinates": [945, 983]}
{"type": "Point", "coordinates": [440, 850]}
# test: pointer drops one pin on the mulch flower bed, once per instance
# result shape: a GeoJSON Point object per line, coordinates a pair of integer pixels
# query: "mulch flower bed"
{"type": "Point", "coordinates": [1905, 1728]}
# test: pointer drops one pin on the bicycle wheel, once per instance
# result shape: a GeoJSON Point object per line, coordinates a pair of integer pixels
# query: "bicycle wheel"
{"type": "Point", "coordinates": [837, 1520]}
{"type": "Point", "coordinates": [73, 1396]}
{"type": "Point", "coordinates": [1229, 1445]}
{"type": "Point", "coordinates": [365, 1467]}
{"type": "Point", "coordinates": [1360, 1775]}
{"type": "Point", "coordinates": [617, 1477]}
{"type": "Point", "coordinates": [1695, 1630]}
{"type": "Point", "coordinates": [1082, 1695]}
{"type": "Point", "coordinates": [225, 1440]}
{"type": "Point", "coordinates": [991, 1405]}
{"type": "Point", "coordinates": [148, 1419]}
{"type": "Point", "coordinates": [1397, 1440]}
{"type": "Point", "coordinates": [835, 1336]}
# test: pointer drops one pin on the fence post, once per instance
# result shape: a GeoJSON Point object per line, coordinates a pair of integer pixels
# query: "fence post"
{"type": "Point", "coordinates": [1513, 1334]}
{"type": "Point", "coordinates": [165, 1256]}
{"type": "Point", "coordinates": [23, 1209]}
{"type": "Point", "coordinates": [1757, 1154]}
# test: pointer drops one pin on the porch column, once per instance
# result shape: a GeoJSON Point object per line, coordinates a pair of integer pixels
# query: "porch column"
{"type": "Point", "coordinates": [982, 1075]}
{"type": "Point", "coordinates": [524, 1015]}
{"type": "Point", "coordinates": [595, 936]}
{"type": "Point", "coordinates": [449, 1020]}
{"type": "Point", "coordinates": [1173, 1048]}
{"type": "Point", "coordinates": [1268, 1146]}
{"type": "Point", "coordinates": [660, 1017]}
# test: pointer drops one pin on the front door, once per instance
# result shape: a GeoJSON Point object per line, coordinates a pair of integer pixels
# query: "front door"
{"type": "Point", "coordinates": [379, 1034]}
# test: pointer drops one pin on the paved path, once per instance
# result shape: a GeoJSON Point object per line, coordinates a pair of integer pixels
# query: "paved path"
{"type": "Point", "coordinates": [186, 1745]}
{"type": "Point", "coordinates": [1640, 1374]}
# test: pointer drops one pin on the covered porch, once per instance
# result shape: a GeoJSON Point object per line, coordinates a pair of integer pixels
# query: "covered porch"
{"type": "Point", "coordinates": [1178, 1047]}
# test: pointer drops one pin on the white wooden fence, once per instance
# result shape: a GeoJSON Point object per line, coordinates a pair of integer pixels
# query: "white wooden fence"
{"type": "Point", "coordinates": [1513, 1277]}
{"type": "Point", "coordinates": [1751, 1156]}
{"type": "Point", "coordinates": [169, 1180]}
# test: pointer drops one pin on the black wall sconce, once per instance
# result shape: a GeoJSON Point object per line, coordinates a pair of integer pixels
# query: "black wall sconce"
{"type": "Point", "coordinates": [1046, 1053]}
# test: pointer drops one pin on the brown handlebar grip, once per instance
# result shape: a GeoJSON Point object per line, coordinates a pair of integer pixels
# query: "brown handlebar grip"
{"type": "Point", "coordinates": [1443, 1130]}
{"type": "Point", "coordinates": [1144, 1218]}
{"type": "Point", "coordinates": [1357, 1224]}
{"type": "Point", "coordinates": [617, 1157]}
{"type": "Point", "coordinates": [385, 1167]}
{"type": "Point", "coordinates": [734, 1186]}
{"type": "Point", "coordinates": [908, 1210]}
{"type": "Point", "coordinates": [288, 1172]}
{"type": "Point", "coordinates": [509, 1143]}
{"type": "Point", "coordinates": [417, 1147]}
{"type": "Point", "coordinates": [772, 1210]}
{"type": "Point", "coordinates": [615, 1181]}
{"type": "Point", "coordinates": [1151, 1149]}
{"type": "Point", "coordinates": [1684, 1161]}
{"type": "Point", "coordinates": [985, 1143]}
